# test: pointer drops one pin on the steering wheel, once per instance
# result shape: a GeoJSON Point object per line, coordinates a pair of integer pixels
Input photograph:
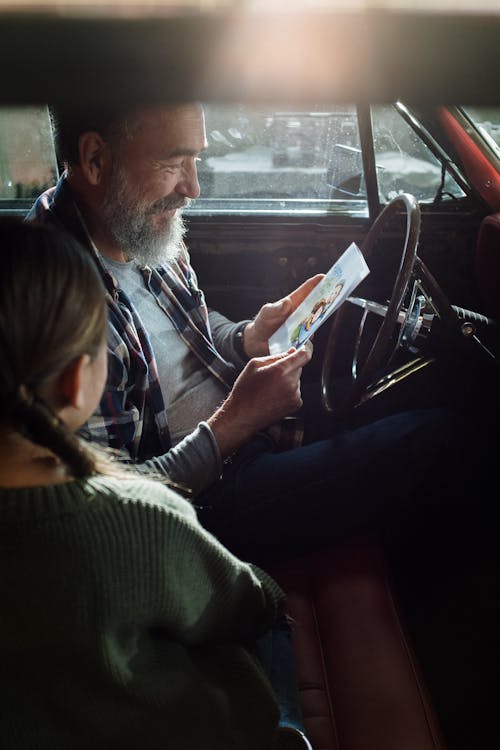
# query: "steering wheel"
{"type": "Point", "coordinates": [404, 324]}
{"type": "Point", "coordinates": [379, 352]}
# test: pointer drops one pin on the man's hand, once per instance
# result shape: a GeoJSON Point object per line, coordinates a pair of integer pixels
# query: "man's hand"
{"type": "Point", "coordinates": [271, 316]}
{"type": "Point", "coordinates": [267, 390]}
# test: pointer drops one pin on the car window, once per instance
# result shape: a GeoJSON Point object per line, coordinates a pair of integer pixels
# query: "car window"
{"type": "Point", "coordinates": [405, 164]}
{"type": "Point", "coordinates": [269, 161]}
{"type": "Point", "coordinates": [259, 160]}
{"type": "Point", "coordinates": [27, 159]}
{"type": "Point", "coordinates": [266, 160]}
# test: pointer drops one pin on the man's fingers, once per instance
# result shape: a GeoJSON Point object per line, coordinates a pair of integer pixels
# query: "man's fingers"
{"type": "Point", "coordinates": [309, 345]}
{"type": "Point", "coordinates": [276, 312]}
{"type": "Point", "coordinates": [296, 357]}
{"type": "Point", "coordinates": [299, 294]}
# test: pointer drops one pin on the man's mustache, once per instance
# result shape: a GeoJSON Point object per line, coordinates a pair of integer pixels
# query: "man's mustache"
{"type": "Point", "coordinates": [168, 204]}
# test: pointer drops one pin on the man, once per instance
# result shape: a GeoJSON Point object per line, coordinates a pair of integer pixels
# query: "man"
{"type": "Point", "coordinates": [191, 394]}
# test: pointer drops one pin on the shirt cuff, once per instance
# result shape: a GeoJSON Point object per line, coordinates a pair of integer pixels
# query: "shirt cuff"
{"type": "Point", "coordinates": [193, 464]}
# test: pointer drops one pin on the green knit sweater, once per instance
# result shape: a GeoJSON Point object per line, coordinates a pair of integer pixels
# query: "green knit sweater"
{"type": "Point", "coordinates": [123, 624]}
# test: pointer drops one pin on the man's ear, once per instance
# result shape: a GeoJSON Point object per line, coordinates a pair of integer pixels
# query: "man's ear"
{"type": "Point", "coordinates": [70, 391]}
{"type": "Point", "coordinates": [94, 155]}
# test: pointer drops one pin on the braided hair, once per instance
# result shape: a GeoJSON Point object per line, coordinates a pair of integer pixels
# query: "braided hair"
{"type": "Point", "coordinates": [52, 310]}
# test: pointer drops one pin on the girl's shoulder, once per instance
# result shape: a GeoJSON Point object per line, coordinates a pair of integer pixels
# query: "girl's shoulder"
{"type": "Point", "coordinates": [141, 490]}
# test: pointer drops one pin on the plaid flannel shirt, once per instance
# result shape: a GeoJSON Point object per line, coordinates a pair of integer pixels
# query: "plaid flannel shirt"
{"type": "Point", "coordinates": [133, 396]}
{"type": "Point", "coordinates": [133, 381]}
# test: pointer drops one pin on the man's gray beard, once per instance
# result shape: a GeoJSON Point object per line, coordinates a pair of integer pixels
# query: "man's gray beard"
{"type": "Point", "coordinates": [127, 220]}
{"type": "Point", "coordinates": [149, 247]}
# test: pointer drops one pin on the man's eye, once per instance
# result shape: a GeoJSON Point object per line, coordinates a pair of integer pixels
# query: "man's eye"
{"type": "Point", "coordinates": [169, 166]}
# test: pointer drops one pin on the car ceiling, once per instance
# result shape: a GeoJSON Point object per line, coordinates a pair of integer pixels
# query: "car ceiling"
{"type": "Point", "coordinates": [251, 56]}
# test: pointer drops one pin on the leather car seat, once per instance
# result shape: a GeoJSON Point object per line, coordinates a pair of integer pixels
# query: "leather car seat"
{"type": "Point", "coordinates": [360, 686]}
{"type": "Point", "coordinates": [487, 265]}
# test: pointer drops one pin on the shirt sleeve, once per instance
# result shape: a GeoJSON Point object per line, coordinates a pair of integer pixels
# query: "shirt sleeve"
{"type": "Point", "coordinates": [224, 332]}
{"type": "Point", "coordinates": [194, 464]}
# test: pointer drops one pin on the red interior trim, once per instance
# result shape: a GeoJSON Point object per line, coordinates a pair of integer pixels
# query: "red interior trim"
{"type": "Point", "coordinates": [481, 173]}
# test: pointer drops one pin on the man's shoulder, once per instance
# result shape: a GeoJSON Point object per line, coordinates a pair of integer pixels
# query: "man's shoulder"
{"type": "Point", "coordinates": [42, 208]}
{"type": "Point", "coordinates": [55, 206]}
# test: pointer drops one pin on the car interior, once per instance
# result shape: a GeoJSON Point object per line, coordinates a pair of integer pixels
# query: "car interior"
{"type": "Point", "coordinates": [329, 124]}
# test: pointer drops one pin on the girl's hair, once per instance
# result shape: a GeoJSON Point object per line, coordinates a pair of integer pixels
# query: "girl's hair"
{"type": "Point", "coordinates": [52, 310]}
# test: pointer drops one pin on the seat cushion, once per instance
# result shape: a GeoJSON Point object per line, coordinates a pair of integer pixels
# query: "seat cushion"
{"type": "Point", "coordinates": [487, 265]}
{"type": "Point", "coordinates": [360, 687]}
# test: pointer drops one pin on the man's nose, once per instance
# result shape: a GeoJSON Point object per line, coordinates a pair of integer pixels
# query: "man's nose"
{"type": "Point", "coordinates": [188, 185]}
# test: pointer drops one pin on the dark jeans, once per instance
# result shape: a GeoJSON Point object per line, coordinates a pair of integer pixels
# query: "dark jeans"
{"type": "Point", "coordinates": [274, 651]}
{"type": "Point", "coordinates": [270, 504]}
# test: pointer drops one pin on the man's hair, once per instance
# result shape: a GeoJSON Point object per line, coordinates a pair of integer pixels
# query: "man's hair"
{"type": "Point", "coordinates": [69, 124]}
{"type": "Point", "coordinates": [112, 123]}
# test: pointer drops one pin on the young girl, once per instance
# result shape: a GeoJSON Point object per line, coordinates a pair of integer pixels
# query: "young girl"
{"type": "Point", "coordinates": [124, 624]}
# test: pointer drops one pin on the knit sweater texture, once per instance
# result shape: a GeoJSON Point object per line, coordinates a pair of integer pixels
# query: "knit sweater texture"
{"type": "Point", "coordinates": [124, 624]}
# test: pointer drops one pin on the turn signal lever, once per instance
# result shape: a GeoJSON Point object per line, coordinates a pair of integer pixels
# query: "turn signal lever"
{"type": "Point", "coordinates": [474, 317]}
{"type": "Point", "coordinates": [417, 321]}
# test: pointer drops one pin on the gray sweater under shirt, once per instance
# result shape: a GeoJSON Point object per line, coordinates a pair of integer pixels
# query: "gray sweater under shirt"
{"type": "Point", "coordinates": [190, 392]}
